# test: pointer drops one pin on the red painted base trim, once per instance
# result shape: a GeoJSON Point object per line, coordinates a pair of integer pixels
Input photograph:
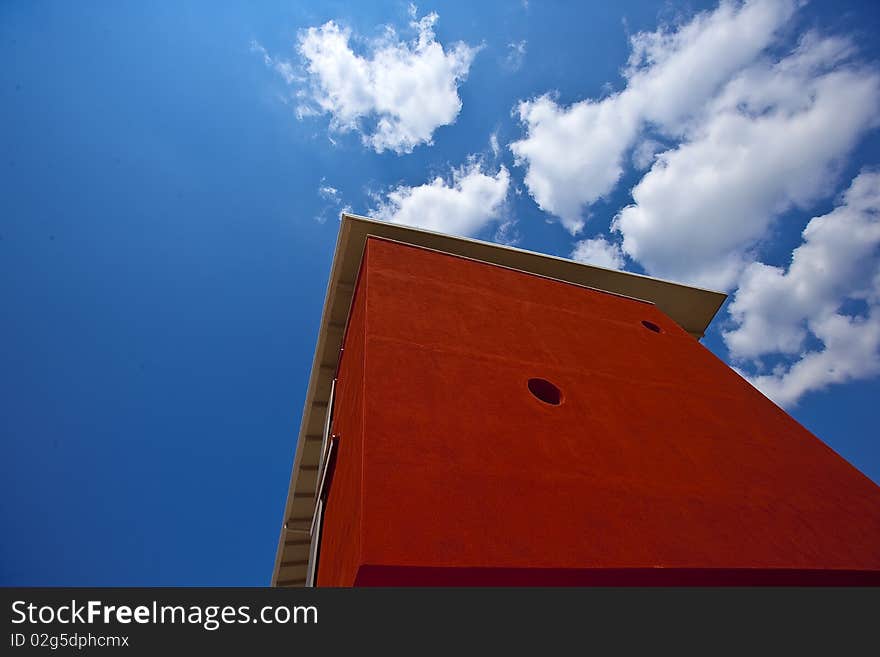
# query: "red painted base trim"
{"type": "Point", "coordinates": [416, 576]}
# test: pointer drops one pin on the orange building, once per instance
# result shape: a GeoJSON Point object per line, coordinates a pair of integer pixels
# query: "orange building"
{"type": "Point", "coordinates": [481, 415]}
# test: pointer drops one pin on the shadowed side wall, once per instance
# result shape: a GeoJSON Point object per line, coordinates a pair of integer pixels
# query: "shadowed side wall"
{"type": "Point", "coordinates": [341, 536]}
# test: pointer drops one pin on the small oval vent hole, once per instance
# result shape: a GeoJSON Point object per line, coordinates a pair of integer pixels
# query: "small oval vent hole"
{"type": "Point", "coordinates": [545, 391]}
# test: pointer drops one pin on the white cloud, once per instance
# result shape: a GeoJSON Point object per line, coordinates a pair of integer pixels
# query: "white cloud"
{"type": "Point", "coordinates": [645, 152]}
{"type": "Point", "coordinates": [850, 352]}
{"type": "Point", "coordinates": [507, 233]}
{"type": "Point", "coordinates": [575, 155]}
{"type": "Point", "coordinates": [333, 198]}
{"type": "Point", "coordinates": [396, 96]}
{"type": "Point", "coordinates": [493, 144]}
{"type": "Point", "coordinates": [572, 155]}
{"type": "Point", "coordinates": [771, 140]}
{"type": "Point", "coordinates": [280, 66]}
{"type": "Point", "coordinates": [775, 311]}
{"type": "Point", "coordinates": [599, 252]}
{"type": "Point", "coordinates": [463, 204]}
{"type": "Point", "coordinates": [329, 193]}
{"type": "Point", "coordinates": [516, 54]}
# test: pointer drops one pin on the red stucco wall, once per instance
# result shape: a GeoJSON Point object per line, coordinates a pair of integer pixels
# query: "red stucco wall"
{"type": "Point", "coordinates": [339, 558]}
{"type": "Point", "coordinates": [660, 466]}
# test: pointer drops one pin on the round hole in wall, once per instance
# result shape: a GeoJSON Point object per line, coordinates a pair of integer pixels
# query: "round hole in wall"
{"type": "Point", "coordinates": [651, 326]}
{"type": "Point", "coordinates": [545, 391]}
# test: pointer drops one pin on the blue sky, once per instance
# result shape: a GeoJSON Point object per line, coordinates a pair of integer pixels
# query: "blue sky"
{"type": "Point", "coordinates": [172, 174]}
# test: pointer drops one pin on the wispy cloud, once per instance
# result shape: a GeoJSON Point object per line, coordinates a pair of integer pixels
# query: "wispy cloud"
{"type": "Point", "coordinates": [508, 233]}
{"type": "Point", "coordinates": [333, 202]}
{"type": "Point", "coordinates": [516, 55]}
{"type": "Point", "coordinates": [493, 144]}
{"type": "Point", "coordinates": [328, 193]}
{"type": "Point", "coordinates": [283, 67]}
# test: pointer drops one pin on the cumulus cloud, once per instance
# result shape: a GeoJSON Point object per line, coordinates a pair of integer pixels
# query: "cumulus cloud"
{"type": "Point", "coordinates": [396, 95]}
{"type": "Point", "coordinates": [462, 204]}
{"type": "Point", "coordinates": [572, 155]}
{"type": "Point", "coordinates": [778, 312]}
{"type": "Point", "coordinates": [850, 348]}
{"type": "Point", "coordinates": [771, 140]}
{"type": "Point", "coordinates": [600, 252]}
{"type": "Point", "coordinates": [575, 154]}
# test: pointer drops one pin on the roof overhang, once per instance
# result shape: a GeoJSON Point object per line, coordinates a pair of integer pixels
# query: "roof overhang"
{"type": "Point", "coordinates": [692, 308]}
